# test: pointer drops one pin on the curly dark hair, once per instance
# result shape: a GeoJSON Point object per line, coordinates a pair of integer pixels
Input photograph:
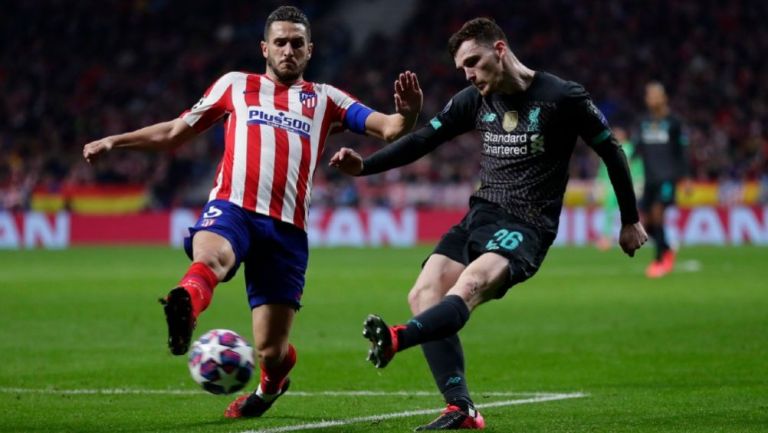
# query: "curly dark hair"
{"type": "Point", "coordinates": [481, 30]}
{"type": "Point", "coordinates": [287, 13]}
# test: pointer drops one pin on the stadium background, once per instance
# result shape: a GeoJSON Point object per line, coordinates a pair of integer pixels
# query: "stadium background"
{"type": "Point", "coordinates": [74, 72]}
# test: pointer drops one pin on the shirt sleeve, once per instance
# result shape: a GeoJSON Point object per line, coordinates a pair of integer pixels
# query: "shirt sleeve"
{"type": "Point", "coordinates": [456, 118]}
{"type": "Point", "coordinates": [592, 126]}
{"type": "Point", "coordinates": [346, 111]}
{"type": "Point", "coordinates": [215, 103]}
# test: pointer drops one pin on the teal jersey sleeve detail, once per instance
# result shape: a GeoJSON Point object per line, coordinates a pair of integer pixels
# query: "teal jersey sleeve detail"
{"type": "Point", "coordinates": [601, 136]}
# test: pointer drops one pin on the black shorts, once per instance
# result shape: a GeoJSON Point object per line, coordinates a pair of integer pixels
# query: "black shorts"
{"type": "Point", "coordinates": [658, 192]}
{"type": "Point", "coordinates": [488, 228]}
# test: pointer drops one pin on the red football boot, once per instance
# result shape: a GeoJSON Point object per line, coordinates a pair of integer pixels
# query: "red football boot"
{"type": "Point", "coordinates": [383, 340]}
{"type": "Point", "coordinates": [453, 418]}
{"type": "Point", "coordinates": [251, 405]}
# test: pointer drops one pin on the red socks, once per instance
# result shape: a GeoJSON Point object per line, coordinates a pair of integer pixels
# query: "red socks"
{"type": "Point", "coordinates": [272, 378]}
{"type": "Point", "coordinates": [199, 282]}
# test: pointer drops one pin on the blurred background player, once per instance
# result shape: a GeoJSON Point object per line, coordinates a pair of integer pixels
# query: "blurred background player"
{"type": "Point", "coordinates": [604, 189]}
{"type": "Point", "coordinates": [277, 125]}
{"type": "Point", "coordinates": [529, 122]}
{"type": "Point", "coordinates": [663, 147]}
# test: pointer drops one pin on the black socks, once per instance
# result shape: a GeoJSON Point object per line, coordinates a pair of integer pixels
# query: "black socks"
{"type": "Point", "coordinates": [446, 361]}
{"type": "Point", "coordinates": [439, 321]}
{"type": "Point", "coordinates": [660, 238]}
{"type": "Point", "coordinates": [435, 329]}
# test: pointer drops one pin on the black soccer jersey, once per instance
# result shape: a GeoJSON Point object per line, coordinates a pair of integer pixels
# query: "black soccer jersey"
{"type": "Point", "coordinates": [663, 147]}
{"type": "Point", "coordinates": [526, 144]}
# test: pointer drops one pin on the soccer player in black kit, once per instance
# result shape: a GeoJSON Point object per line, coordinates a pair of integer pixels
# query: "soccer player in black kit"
{"type": "Point", "coordinates": [529, 122]}
{"type": "Point", "coordinates": [663, 145]}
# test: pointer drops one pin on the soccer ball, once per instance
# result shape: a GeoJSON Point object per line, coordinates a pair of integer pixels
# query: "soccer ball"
{"type": "Point", "coordinates": [221, 361]}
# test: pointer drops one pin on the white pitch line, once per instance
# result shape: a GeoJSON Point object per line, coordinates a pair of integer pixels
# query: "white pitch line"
{"type": "Point", "coordinates": [372, 418]}
{"type": "Point", "coordinates": [113, 391]}
{"type": "Point", "coordinates": [533, 397]}
{"type": "Point", "coordinates": [134, 391]}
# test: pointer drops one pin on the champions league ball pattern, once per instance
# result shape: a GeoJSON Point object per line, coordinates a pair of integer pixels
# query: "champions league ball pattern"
{"type": "Point", "coordinates": [221, 361]}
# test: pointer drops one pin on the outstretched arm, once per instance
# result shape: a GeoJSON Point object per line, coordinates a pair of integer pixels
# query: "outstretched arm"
{"type": "Point", "coordinates": [457, 117]}
{"type": "Point", "coordinates": [403, 151]}
{"type": "Point", "coordinates": [164, 135]}
{"type": "Point", "coordinates": [408, 101]}
{"type": "Point", "coordinates": [593, 128]}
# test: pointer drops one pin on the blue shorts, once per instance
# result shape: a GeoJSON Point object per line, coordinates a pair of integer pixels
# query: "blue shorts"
{"type": "Point", "coordinates": [275, 253]}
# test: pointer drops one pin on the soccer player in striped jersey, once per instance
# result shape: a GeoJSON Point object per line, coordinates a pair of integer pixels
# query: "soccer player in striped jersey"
{"type": "Point", "coordinates": [276, 128]}
{"type": "Point", "coordinates": [528, 123]}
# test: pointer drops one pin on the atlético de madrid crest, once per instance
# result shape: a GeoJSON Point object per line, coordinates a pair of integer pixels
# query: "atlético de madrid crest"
{"type": "Point", "coordinates": [510, 121]}
{"type": "Point", "coordinates": [308, 98]}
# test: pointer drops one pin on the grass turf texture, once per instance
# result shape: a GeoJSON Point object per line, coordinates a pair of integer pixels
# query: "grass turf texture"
{"type": "Point", "coordinates": [686, 353]}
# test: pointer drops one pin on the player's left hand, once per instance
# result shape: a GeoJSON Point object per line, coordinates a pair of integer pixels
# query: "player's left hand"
{"type": "Point", "coordinates": [408, 95]}
{"type": "Point", "coordinates": [347, 161]}
{"type": "Point", "coordinates": [632, 237]}
{"type": "Point", "coordinates": [95, 149]}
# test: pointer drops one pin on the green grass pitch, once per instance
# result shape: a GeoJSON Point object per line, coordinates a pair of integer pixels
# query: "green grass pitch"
{"type": "Point", "coordinates": [687, 353]}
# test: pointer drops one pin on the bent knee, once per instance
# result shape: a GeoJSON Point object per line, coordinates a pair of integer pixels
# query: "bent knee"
{"type": "Point", "coordinates": [422, 297]}
{"type": "Point", "coordinates": [218, 262]}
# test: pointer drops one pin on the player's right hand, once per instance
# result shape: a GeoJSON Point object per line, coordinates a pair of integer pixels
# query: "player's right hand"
{"type": "Point", "coordinates": [93, 150]}
{"type": "Point", "coordinates": [347, 161]}
{"type": "Point", "coordinates": [632, 237]}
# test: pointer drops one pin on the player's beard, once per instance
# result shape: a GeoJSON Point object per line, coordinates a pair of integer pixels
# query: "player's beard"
{"type": "Point", "coordinates": [287, 75]}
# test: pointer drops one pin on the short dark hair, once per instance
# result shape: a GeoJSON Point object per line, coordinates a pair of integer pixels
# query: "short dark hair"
{"type": "Point", "coordinates": [482, 30]}
{"type": "Point", "coordinates": [287, 13]}
{"type": "Point", "coordinates": [656, 83]}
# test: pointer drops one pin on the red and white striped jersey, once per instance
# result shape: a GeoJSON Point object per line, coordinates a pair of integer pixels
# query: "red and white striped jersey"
{"type": "Point", "coordinates": [274, 137]}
